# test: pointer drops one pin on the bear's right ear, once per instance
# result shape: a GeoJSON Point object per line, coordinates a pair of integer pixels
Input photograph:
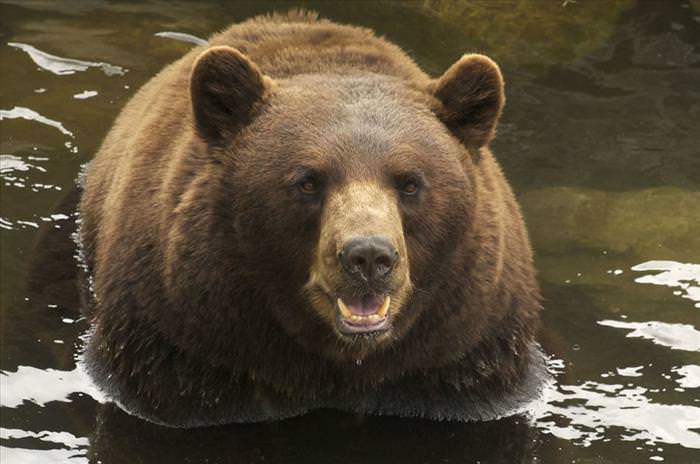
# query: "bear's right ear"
{"type": "Point", "coordinates": [225, 87]}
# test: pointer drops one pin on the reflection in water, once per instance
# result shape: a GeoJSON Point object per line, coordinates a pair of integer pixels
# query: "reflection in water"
{"type": "Point", "coordinates": [688, 376]}
{"type": "Point", "coordinates": [30, 384]}
{"type": "Point", "coordinates": [23, 223]}
{"type": "Point", "coordinates": [181, 36]}
{"type": "Point", "coordinates": [561, 24]}
{"type": "Point", "coordinates": [84, 95]}
{"type": "Point", "coordinates": [674, 336]}
{"type": "Point", "coordinates": [31, 115]}
{"type": "Point", "coordinates": [10, 163]}
{"type": "Point", "coordinates": [632, 371]}
{"type": "Point", "coordinates": [39, 453]}
{"type": "Point", "coordinates": [63, 66]}
{"type": "Point", "coordinates": [53, 447]}
{"type": "Point", "coordinates": [593, 410]}
{"type": "Point", "coordinates": [684, 276]}
{"type": "Point", "coordinates": [319, 437]}
{"type": "Point", "coordinates": [16, 172]}
{"type": "Point", "coordinates": [646, 222]}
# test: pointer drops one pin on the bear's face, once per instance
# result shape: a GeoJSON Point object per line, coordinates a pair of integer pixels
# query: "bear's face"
{"type": "Point", "coordinates": [351, 189]}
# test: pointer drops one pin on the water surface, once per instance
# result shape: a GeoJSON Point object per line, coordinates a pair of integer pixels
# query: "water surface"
{"type": "Point", "coordinates": [600, 140]}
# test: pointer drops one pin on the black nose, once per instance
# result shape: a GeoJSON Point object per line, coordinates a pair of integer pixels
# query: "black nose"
{"type": "Point", "coordinates": [369, 257]}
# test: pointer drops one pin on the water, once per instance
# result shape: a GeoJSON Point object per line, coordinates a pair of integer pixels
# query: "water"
{"type": "Point", "coordinates": [600, 140]}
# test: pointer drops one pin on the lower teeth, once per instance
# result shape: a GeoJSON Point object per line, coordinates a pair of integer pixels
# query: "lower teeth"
{"type": "Point", "coordinates": [371, 317]}
{"type": "Point", "coordinates": [375, 317]}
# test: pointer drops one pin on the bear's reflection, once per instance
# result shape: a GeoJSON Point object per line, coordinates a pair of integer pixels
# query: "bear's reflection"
{"type": "Point", "coordinates": [324, 436]}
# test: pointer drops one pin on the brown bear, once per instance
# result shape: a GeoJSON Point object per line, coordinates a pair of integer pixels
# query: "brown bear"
{"type": "Point", "coordinates": [295, 216]}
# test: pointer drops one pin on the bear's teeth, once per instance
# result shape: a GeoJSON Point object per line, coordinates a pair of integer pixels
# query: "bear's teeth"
{"type": "Point", "coordinates": [371, 317]}
{"type": "Point", "coordinates": [385, 307]}
{"type": "Point", "coordinates": [380, 314]}
{"type": "Point", "coordinates": [347, 314]}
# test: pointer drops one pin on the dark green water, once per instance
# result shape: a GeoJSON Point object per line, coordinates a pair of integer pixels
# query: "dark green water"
{"type": "Point", "coordinates": [600, 139]}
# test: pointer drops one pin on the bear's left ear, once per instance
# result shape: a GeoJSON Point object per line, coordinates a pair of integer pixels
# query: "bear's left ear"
{"type": "Point", "coordinates": [471, 99]}
{"type": "Point", "coordinates": [225, 87]}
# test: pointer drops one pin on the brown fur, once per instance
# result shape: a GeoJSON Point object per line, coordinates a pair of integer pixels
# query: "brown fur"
{"type": "Point", "coordinates": [209, 267]}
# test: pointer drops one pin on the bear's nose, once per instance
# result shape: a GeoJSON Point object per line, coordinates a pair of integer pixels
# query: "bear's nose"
{"type": "Point", "coordinates": [369, 257]}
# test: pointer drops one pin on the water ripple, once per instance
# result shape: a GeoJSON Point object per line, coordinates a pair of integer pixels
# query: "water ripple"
{"type": "Point", "coordinates": [593, 409]}
{"type": "Point", "coordinates": [688, 376]}
{"type": "Point", "coordinates": [16, 172]}
{"type": "Point", "coordinates": [182, 37]}
{"type": "Point", "coordinates": [685, 276]}
{"type": "Point", "coordinates": [85, 94]}
{"type": "Point", "coordinates": [675, 336]}
{"type": "Point", "coordinates": [62, 66]}
{"type": "Point", "coordinates": [11, 163]}
{"type": "Point", "coordinates": [30, 384]}
{"type": "Point", "coordinates": [31, 115]}
{"type": "Point", "coordinates": [33, 456]}
{"type": "Point", "coordinates": [62, 438]}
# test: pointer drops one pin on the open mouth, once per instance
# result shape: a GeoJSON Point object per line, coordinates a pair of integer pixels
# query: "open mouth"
{"type": "Point", "coordinates": [367, 314]}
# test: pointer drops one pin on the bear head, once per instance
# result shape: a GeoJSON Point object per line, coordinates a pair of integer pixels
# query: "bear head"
{"type": "Point", "coordinates": [350, 195]}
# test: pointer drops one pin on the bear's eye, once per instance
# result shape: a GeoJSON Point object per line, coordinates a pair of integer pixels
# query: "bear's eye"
{"type": "Point", "coordinates": [308, 186]}
{"type": "Point", "coordinates": [409, 187]}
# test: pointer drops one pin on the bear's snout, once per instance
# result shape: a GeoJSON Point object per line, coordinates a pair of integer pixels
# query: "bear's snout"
{"type": "Point", "coordinates": [360, 278]}
{"type": "Point", "coordinates": [368, 258]}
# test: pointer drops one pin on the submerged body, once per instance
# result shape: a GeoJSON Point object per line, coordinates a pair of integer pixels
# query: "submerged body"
{"type": "Point", "coordinates": [296, 216]}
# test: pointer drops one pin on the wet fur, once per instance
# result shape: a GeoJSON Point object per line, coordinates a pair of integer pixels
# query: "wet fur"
{"type": "Point", "coordinates": [200, 315]}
